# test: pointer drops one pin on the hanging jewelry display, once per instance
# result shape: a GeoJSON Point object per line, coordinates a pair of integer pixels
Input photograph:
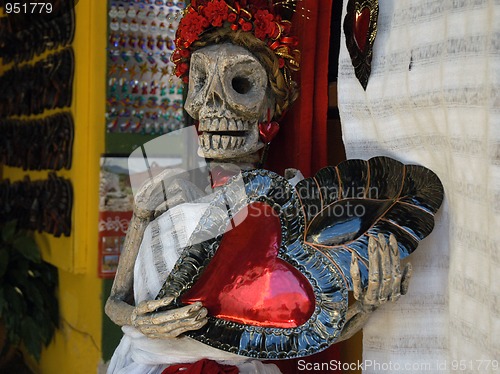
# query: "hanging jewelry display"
{"type": "Point", "coordinates": [42, 205]}
{"type": "Point", "coordinates": [37, 144]}
{"type": "Point", "coordinates": [33, 88]}
{"type": "Point", "coordinates": [143, 96]}
{"type": "Point", "coordinates": [360, 28]}
{"type": "Point", "coordinates": [23, 34]}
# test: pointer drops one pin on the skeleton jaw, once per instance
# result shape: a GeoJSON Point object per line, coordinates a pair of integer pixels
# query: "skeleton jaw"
{"type": "Point", "coordinates": [227, 138]}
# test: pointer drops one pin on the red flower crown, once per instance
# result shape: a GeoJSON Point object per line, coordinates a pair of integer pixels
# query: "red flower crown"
{"type": "Point", "coordinates": [256, 16]}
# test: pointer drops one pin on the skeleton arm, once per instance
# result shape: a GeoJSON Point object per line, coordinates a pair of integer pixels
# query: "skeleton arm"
{"type": "Point", "coordinates": [385, 282]}
{"type": "Point", "coordinates": [117, 306]}
{"type": "Point", "coordinates": [149, 203]}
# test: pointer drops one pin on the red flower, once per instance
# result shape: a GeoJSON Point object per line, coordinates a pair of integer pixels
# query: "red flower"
{"type": "Point", "coordinates": [185, 53]}
{"type": "Point", "coordinates": [247, 26]}
{"type": "Point", "coordinates": [232, 17]}
{"type": "Point", "coordinates": [216, 12]}
{"type": "Point", "coordinates": [182, 68]}
{"type": "Point", "coordinates": [176, 56]}
{"type": "Point", "coordinates": [264, 24]}
{"type": "Point", "coordinates": [191, 26]}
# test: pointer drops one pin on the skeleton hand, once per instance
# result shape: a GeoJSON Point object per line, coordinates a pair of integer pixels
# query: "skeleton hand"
{"type": "Point", "coordinates": [385, 279]}
{"type": "Point", "coordinates": [165, 190]}
{"type": "Point", "coordinates": [169, 323]}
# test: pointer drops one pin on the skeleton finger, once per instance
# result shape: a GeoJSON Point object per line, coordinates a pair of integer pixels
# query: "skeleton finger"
{"type": "Point", "coordinates": [151, 305]}
{"type": "Point", "coordinates": [162, 318]}
{"type": "Point", "coordinates": [167, 327]}
{"type": "Point", "coordinates": [356, 277]}
{"type": "Point", "coordinates": [187, 324]}
{"type": "Point", "coordinates": [396, 268]}
{"type": "Point", "coordinates": [195, 326]}
{"type": "Point", "coordinates": [386, 267]}
{"type": "Point", "coordinates": [144, 320]}
{"type": "Point", "coordinates": [176, 332]}
{"type": "Point", "coordinates": [174, 328]}
{"type": "Point", "coordinates": [405, 279]}
{"type": "Point", "coordinates": [156, 318]}
{"type": "Point", "coordinates": [373, 272]}
{"type": "Point", "coordinates": [172, 316]}
{"type": "Point", "coordinates": [186, 311]}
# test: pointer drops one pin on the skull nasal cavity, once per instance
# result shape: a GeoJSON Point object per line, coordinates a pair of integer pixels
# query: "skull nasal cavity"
{"type": "Point", "coordinates": [214, 99]}
{"type": "Point", "coordinates": [241, 85]}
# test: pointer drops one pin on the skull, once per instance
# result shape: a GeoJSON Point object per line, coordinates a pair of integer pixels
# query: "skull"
{"type": "Point", "coordinates": [229, 95]}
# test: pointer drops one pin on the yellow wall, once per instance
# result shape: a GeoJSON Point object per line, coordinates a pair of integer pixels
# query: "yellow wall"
{"type": "Point", "coordinates": [77, 345]}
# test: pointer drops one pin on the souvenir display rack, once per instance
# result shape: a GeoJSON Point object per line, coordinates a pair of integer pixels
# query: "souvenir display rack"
{"type": "Point", "coordinates": [144, 98]}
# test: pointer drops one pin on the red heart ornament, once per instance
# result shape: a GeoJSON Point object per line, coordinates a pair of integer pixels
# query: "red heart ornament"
{"type": "Point", "coordinates": [361, 27]}
{"type": "Point", "coordinates": [276, 284]}
{"type": "Point", "coordinates": [247, 283]}
{"type": "Point", "coordinates": [268, 131]}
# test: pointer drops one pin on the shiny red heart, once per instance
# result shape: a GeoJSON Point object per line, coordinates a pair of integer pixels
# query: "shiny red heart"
{"type": "Point", "coordinates": [246, 282]}
{"type": "Point", "coordinates": [268, 131]}
{"type": "Point", "coordinates": [361, 27]}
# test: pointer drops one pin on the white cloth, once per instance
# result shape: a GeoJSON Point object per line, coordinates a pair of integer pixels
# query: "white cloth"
{"type": "Point", "coordinates": [162, 245]}
{"type": "Point", "coordinates": [433, 99]}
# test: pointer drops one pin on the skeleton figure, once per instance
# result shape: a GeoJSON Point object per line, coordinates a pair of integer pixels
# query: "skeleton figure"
{"type": "Point", "coordinates": [230, 93]}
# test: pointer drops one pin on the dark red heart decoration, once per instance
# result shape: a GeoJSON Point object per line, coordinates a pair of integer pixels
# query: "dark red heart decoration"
{"type": "Point", "coordinates": [360, 28]}
{"type": "Point", "coordinates": [268, 131]}
{"type": "Point", "coordinates": [272, 265]}
{"type": "Point", "coordinates": [252, 285]}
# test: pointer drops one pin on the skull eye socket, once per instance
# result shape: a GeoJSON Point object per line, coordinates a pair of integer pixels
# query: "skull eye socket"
{"type": "Point", "coordinates": [199, 81]}
{"type": "Point", "coordinates": [241, 85]}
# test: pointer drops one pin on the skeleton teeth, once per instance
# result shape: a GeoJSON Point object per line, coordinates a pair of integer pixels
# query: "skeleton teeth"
{"type": "Point", "coordinates": [235, 142]}
{"type": "Point", "coordinates": [206, 142]}
{"type": "Point", "coordinates": [215, 141]}
{"type": "Point", "coordinates": [240, 124]}
{"type": "Point", "coordinates": [232, 125]}
{"type": "Point", "coordinates": [214, 126]}
{"type": "Point", "coordinates": [223, 124]}
{"type": "Point", "coordinates": [210, 141]}
{"type": "Point", "coordinates": [242, 143]}
{"type": "Point", "coordinates": [203, 125]}
{"type": "Point", "coordinates": [226, 141]}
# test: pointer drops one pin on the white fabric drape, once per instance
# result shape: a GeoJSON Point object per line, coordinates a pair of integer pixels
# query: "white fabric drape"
{"type": "Point", "coordinates": [434, 99]}
{"type": "Point", "coordinates": [161, 247]}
